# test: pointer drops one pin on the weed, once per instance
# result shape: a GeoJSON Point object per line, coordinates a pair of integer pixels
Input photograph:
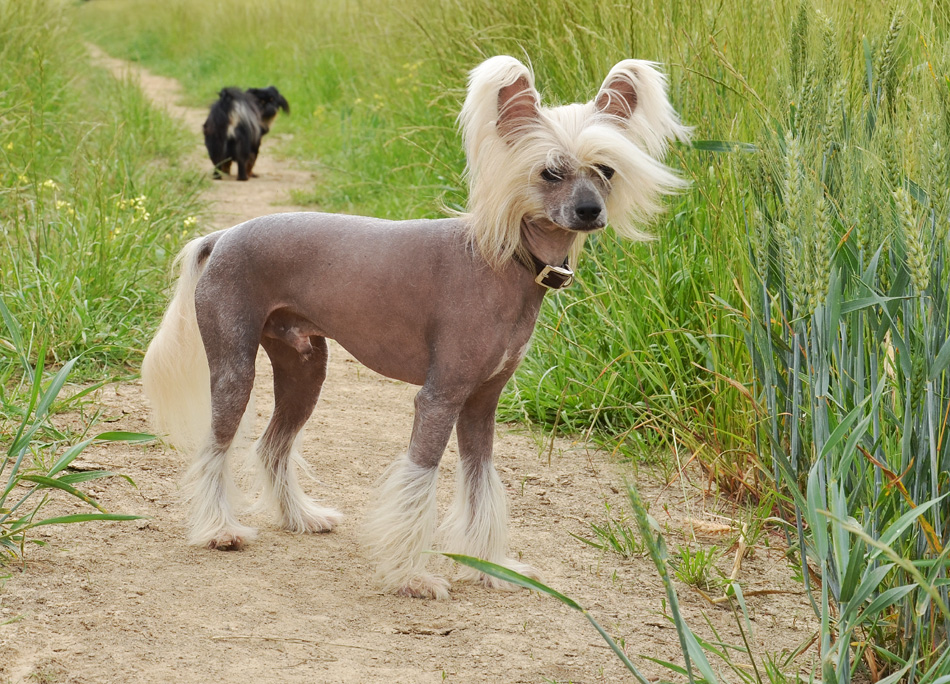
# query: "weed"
{"type": "Point", "coordinates": [27, 466]}
{"type": "Point", "coordinates": [698, 568]}
{"type": "Point", "coordinates": [614, 535]}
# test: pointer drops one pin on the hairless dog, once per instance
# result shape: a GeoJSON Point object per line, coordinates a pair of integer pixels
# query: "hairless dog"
{"type": "Point", "coordinates": [448, 304]}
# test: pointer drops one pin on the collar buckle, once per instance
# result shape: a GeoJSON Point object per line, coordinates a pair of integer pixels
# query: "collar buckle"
{"type": "Point", "coordinates": [555, 277]}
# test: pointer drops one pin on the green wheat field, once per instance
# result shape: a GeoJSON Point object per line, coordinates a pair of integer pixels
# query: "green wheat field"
{"type": "Point", "coordinates": [788, 330]}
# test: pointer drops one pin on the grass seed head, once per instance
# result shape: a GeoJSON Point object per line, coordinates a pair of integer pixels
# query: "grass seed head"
{"type": "Point", "coordinates": [819, 255]}
{"type": "Point", "coordinates": [798, 47]}
{"type": "Point", "coordinates": [793, 230]}
{"type": "Point", "coordinates": [912, 230]}
{"type": "Point", "coordinates": [760, 242]}
{"type": "Point", "coordinates": [887, 70]}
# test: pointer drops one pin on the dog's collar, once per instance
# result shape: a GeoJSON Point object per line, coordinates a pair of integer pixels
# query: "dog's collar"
{"type": "Point", "coordinates": [551, 277]}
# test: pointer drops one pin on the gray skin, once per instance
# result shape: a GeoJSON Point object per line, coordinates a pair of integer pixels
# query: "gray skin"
{"type": "Point", "coordinates": [411, 300]}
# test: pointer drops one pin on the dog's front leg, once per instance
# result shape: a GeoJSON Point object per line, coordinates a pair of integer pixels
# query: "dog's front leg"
{"type": "Point", "coordinates": [400, 529]}
{"type": "Point", "coordinates": [477, 524]}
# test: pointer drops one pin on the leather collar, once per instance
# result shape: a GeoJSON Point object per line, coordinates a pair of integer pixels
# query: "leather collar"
{"type": "Point", "coordinates": [551, 277]}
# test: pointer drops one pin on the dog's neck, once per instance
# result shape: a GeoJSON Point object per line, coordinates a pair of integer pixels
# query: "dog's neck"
{"type": "Point", "coordinates": [547, 241]}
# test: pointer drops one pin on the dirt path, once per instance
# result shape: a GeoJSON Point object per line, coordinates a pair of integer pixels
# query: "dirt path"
{"type": "Point", "coordinates": [131, 602]}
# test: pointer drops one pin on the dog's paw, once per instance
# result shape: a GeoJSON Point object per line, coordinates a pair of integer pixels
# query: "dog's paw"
{"type": "Point", "coordinates": [230, 541]}
{"type": "Point", "coordinates": [491, 582]}
{"type": "Point", "coordinates": [312, 519]}
{"type": "Point", "coordinates": [232, 538]}
{"type": "Point", "coordinates": [522, 568]}
{"type": "Point", "coordinates": [426, 586]}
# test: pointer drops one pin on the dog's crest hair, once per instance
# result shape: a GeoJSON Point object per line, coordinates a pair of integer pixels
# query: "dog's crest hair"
{"type": "Point", "coordinates": [510, 138]}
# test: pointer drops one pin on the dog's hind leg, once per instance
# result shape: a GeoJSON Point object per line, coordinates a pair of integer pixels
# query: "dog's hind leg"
{"type": "Point", "coordinates": [298, 377]}
{"type": "Point", "coordinates": [211, 490]}
{"type": "Point", "coordinates": [241, 147]}
{"type": "Point", "coordinates": [252, 158]}
{"type": "Point", "coordinates": [218, 153]}
{"type": "Point", "coordinates": [477, 523]}
{"type": "Point", "coordinates": [209, 483]}
{"type": "Point", "coordinates": [399, 531]}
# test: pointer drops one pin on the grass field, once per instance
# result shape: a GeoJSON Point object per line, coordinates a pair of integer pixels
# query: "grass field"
{"type": "Point", "coordinates": [90, 199]}
{"type": "Point", "coordinates": [92, 206]}
{"type": "Point", "coordinates": [787, 328]}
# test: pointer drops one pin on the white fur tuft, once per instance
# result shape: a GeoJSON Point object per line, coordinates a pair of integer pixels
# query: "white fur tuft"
{"type": "Point", "coordinates": [210, 488]}
{"type": "Point", "coordinates": [654, 123]}
{"type": "Point", "coordinates": [280, 489]}
{"type": "Point", "coordinates": [477, 524]}
{"type": "Point", "coordinates": [399, 530]}
{"type": "Point", "coordinates": [175, 372]}
{"type": "Point", "coordinates": [480, 109]}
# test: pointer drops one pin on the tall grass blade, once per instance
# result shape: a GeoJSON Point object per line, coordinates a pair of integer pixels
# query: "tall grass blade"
{"type": "Point", "coordinates": [508, 575]}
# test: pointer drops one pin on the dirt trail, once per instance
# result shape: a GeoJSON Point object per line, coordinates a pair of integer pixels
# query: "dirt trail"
{"type": "Point", "coordinates": [131, 602]}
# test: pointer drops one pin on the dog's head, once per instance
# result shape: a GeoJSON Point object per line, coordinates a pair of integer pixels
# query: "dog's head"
{"type": "Point", "coordinates": [575, 166]}
{"type": "Point", "coordinates": [269, 101]}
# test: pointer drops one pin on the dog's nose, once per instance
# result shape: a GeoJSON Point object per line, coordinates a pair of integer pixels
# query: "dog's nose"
{"type": "Point", "coordinates": [587, 212]}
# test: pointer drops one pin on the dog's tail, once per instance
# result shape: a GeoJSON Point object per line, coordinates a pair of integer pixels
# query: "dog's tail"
{"type": "Point", "coordinates": [175, 370]}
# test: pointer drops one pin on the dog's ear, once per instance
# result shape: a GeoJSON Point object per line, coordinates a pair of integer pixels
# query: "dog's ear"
{"type": "Point", "coordinates": [617, 97]}
{"type": "Point", "coordinates": [634, 93]}
{"type": "Point", "coordinates": [278, 99]}
{"type": "Point", "coordinates": [501, 100]}
{"type": "Point", "coordinates": [517, 107]}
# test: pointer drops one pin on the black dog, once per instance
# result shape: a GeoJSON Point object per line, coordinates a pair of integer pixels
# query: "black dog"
{"type": "Point", "coordinates": [236, 124]}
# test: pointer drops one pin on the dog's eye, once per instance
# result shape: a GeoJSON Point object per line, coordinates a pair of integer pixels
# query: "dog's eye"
{"type": "Point", "coordinates": [605, 171]}
{"type": "Point", "coordinates": [552, 175]}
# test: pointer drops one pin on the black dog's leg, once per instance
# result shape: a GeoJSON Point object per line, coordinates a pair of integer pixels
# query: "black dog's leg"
{"type": "Point", "coordinates": [218, 152]}
{"type": "Point", "coordinates": [255, 150]}
{"type": "Point", "coordinates": [241, 154]}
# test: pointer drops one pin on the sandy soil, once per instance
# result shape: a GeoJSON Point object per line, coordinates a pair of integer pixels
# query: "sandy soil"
{"type": "Point", "coordinates": [131, 602]}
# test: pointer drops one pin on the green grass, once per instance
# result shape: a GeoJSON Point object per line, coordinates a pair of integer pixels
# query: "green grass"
{"type": "Point", "coordinates": [616, 535]}
{"type": "Point", "coordinates": [37, 461]}
{"type": "Point", "coordinates": [92, 200]}
{"type": "Point", "coordinates": [787, 328]}
{"type": "Point", "coordinates": [850, 334]}
{"type": "Point", "coordinates": [697, 567]}
{"type": "Point", "coordinates": [93, 203]}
